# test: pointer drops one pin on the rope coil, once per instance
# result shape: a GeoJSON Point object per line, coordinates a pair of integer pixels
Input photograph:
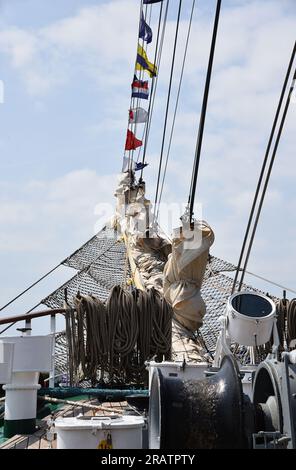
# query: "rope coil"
{"type": "Point", "coordinates": [286, 322]}
{"type": "Point", "coordinates": [110, 343]}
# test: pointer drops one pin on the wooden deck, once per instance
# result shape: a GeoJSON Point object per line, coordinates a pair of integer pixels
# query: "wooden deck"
{"type": "Point", "coordinates": [38, 440]}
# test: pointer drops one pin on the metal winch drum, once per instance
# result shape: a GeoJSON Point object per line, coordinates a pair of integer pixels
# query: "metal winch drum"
{"type": "Point", "coordinates": [250, 318]}
{"type": "Point", "coordinates": [184, 370]}
{"type": "Point", "coordinates": [197, 413]}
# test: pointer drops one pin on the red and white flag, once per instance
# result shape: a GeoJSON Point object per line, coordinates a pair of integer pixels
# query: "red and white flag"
{"type": "Point", "coordinates": [137, 116]}
{"type": "Point", "coordinates": [140, 89]}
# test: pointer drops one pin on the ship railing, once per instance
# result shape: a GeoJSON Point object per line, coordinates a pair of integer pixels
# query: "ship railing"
{"type": "Point", "coordinates": [27, 318]}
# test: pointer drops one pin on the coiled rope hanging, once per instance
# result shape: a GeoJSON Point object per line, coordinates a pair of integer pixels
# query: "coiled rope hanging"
{"type": "Point", "coordinates": [286, 323]}
{"type": "Point", "coordinates": [109, 343]}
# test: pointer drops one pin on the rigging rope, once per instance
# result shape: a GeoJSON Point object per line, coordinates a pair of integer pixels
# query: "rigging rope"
{"type": "Point", "coordinates": [132, 100]}
{"type": "Point", "coordinates": [192, 193]}
{"type": "Point", "coordinates": [136, 101]}
{"type": "Point", "coordinates": [154, 85]}
{"type": "Point", "coordinates": [31, 286]}
{"type": "Point", "coordinates": [260, 181]}
{"type": "Point", "coordinates": [167, 105]}
{"type": "Point", "coordinates": [7, 327]}
{"type": "Point", "coordinates": [45, 276]}
{"type": "Point", "coordinates": [27, 323]}
{"type": "Point", "coordinates": [154, 80]}
{"type": "Point", "coordinates": [176, 108]}
{"type": "Point", "coordinates": [271, 282]}
{"type": "Point", "coordinates": [84, 270]}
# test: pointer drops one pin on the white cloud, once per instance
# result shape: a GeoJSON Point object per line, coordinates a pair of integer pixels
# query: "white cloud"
{"type": "Point", "coordinates": [20, 45]}
{"type": "Point", "coordinates": [106, 30]}
{"type": "Point", "coordinates": [88, 42]}
{"type": "Point", "coordinates": [254, 44]}
{"type": "Point", "coordinates": [43, 210]}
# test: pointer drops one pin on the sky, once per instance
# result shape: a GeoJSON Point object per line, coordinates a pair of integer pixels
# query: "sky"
{"type": "Point", "coordinates": [67, 66]}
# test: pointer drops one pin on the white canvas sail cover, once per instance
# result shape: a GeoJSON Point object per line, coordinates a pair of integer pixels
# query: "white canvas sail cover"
{"type": "Point", "coordinates": [184, 272]}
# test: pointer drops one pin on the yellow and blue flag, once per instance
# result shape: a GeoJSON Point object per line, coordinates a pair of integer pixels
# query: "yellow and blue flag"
{"type": "Point", "coordinates": [144, 64]}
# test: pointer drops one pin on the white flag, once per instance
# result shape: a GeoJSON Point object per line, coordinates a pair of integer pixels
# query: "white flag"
{"type": "Point", "coordinates": [128, 165]}
{"type": "Point", "coordinates": [138, 115]}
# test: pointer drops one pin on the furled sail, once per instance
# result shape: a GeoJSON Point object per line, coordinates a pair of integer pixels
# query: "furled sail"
{"type": "Point", "coordinates": [184, 273]}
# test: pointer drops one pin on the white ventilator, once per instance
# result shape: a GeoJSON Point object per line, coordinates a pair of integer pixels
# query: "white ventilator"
{"type": "Point", "coordinates": [32, 355]}
{"type": "Point", "coordinates": [250, 318]}
{"type": "Point", "coordinates": [6, 362]}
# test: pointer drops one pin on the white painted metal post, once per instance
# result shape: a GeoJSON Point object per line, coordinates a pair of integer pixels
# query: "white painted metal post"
{"type": "Point", "coordinates": [28, 324]}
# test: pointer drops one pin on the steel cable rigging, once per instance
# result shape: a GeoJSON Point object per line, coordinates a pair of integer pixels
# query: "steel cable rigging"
{"type": "Point", "coordinates": [157, 60]}
{"type": "Point", "coordinates": [31, 286]}
{"type": "Point", "coordinates": [192, 192]}
{"type": "Point", "coordinates": [136, 100]}
{"type": "Point", "coordinates": [247, 250]}
{"type": "Point", "coordinates": [154, 86]}
{"type": "Point", "coordinates": [176, 108]}
{"type": "Point", "coordinates": [84, 270]}
{"type": "Point", "coordinates": [62, 262]}
{"type": "Point", "coordinates": [168, 104]}
{"type": "Point", "coordinates": [154, 82]}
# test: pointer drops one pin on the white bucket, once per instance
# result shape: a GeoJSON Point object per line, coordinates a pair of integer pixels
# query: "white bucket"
{"type": "Point", "coordinates": [250, 318]}
{"type": "Point", "coordinates": [99, 432]}
{"type": "Point", "coordinates": [185, 371]}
